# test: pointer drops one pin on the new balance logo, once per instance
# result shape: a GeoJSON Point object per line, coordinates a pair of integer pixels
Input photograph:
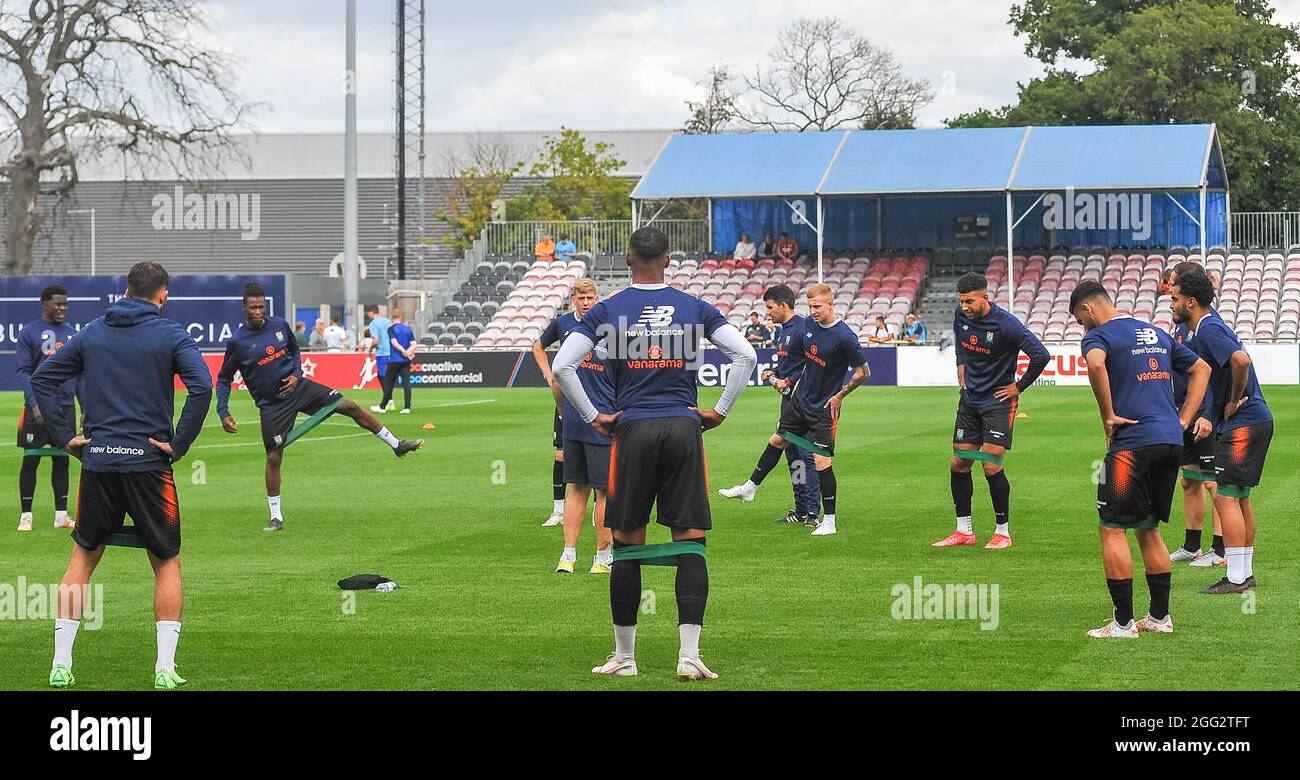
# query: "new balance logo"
{"type": "Point", "coordinates": [657, 316]}
{"type": "Point", "coordinates": [1147, 336]}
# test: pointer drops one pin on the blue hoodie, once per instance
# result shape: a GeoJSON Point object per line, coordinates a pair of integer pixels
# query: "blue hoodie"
{"type": "Point", "coordinates": [129, 358]}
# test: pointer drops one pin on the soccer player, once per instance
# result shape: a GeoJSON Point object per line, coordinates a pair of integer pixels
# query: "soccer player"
{"type": "Point", "coordinates": [1130, 365]}
{"type": "Point", "coordinates": [265, 354]}
{"type": "Point", "coordinates": [790, 328]}
{"type": "Point", "coordinates": [830, 349]}
{"type": "Point", "coordinates": [382, 346]}
{"type": "Point", "coordinates": [988, 341]}
{"type": "Point", "coordinates": [557, 430]}
{"type": "Point", "coordinates": [130, 358]}
{"type": "Point", "coordinates": [1198, 461]}
{"type": "Point", "coordinates": [37, 341]}
{"type": "Point", "coordinates": [653, 334]}
{"type": "Point", "coordinates": [402, 340]}
{"type": "Point", "coordinates": [586, 450]}
{"type": "Point", "coordinates": [1242, 421]}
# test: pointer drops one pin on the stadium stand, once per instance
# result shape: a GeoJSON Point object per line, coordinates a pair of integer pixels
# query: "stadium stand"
{"type": "Point", "coordinates": [480, 297]}
{"type": "Point", "coordinates": [531, 304]}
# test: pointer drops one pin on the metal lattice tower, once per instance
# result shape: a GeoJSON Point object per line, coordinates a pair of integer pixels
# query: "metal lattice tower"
{"type": "Point", "coordinates": [411, 237]}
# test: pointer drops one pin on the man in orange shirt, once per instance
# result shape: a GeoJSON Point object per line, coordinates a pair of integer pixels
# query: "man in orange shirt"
{"type": "Point", "coordinates": [787, 248]}
{"type": "Point", "coordinates": [545, 249]}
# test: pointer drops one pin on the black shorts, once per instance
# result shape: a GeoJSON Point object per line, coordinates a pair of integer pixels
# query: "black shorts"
{"type": "Point", "coordinates": [278, 421]}
{"type": "Point", "coordinates": [586, 463]}
{"type": "Point", "coordinates": [557, 433]}
{"type": "Point", "coordinates": [1239, 455]}
{"type": "Point", "coordinates": [658, 462]}
{"type": "Point", "coordinates": [104, 498]}
{"type": "Point", "coordinates": [1198, 455]}
{"type": "Point", "coordinates": [815, 425]}
{"type": "Point", "coordinates": [986, 424]}
{"type": "Point", "coordinates": [1137, 486]}
{"type": "Point", "coordinates": [31, 435]}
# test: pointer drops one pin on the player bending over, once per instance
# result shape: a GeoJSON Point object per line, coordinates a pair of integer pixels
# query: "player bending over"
{"type": "Point", "coordinates": [265, 354]}
{"type": "Point", "coordinates": [830, 349]}
{"type": "Point", "coordinates": [1242, 421]}
{"type": "Point", "coordinates": [988, 341]}
{"type": "Point", "coordinates": [1130, 366]}
{"type": "Point", "coordinates": [653, 333]}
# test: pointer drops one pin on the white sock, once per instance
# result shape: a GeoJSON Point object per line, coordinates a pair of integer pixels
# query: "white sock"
{"type": "Point", "coordinates": [274, 502]}
{"type": "Point", "coordinates": [387, 437]}
{"type": "Point", "coordinates": [569, 554]}
{"type": "Point", "coordinates": [1250, 561]}
{"type": "Point", "coordinates": [60, 514]}
{"type": "Point", "coordinates": [690, 635]}
{"type": "Point", "coordinates": [624, 641]}
{"type": "Point", "coordinates": [1004, 529]}
{"type": "Point", "coordinates": [964, 525]}
{"type": "Point", "coordinates": [1236, 564]}
{"type": "Point", "coordinates": [749, 485]}
{"type": "Point", "coordinates": [169, 633]}
{"type": "Point", "coordinates": [557, 507]}
{"type": "Point", "coordinates": [829, 520]}
{"type": "Point", "coordinates": [604, 556]}
{"type": "Point", "coordinates": [65, 633]}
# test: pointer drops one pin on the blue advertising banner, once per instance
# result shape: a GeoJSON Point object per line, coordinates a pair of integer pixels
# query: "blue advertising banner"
{"type": "Point", "coordinates": [714, 366]}
{"type": "Point", "coordinates": [209, 307]}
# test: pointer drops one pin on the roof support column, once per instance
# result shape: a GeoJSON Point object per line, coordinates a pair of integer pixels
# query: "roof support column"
{"type": "Point", "coordinates": [1202, 225]}
{"type": "Point", "coordinates": [819, 239]}
{"type": "Point", "coordinates": [1011, 253]}
{"type": "Point", "coordinates": [709, 218]}
{"type": "Point", "coordinates": [1227, 213]}
{"type": "Point", "coordinates": [880, 223]}
{"type": "Point", "coordinates": [636, 213]}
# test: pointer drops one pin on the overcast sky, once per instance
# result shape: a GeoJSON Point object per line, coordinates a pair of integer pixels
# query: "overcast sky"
{"type": "Point", "coordinates": [618, 64]}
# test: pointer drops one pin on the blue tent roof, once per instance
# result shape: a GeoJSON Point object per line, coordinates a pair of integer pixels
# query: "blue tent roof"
{"type": "Point", "coordinates": [877, 162]}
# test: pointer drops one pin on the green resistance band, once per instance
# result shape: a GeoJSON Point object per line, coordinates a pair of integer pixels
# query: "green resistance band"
{"type": "Point", "coordinates": [41, 452]}
{"type": "Point", "coordinates": [1199, 476]}
{"type": "Point", "coordinates": [127, 537]}
{"type": "Point", "coordinates": [659, 554]}
{"type": "Point", "coordinates": [803, 443]}
{"type": "Point", "coordinates": [1234, 491]}
{"type": "Point", "coordinates": [311, 422]}
{"type": "Point", "coordinates": [978, 455]}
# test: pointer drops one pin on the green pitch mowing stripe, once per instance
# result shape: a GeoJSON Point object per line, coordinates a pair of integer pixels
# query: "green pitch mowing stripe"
{"type": "Point", "coordinates": [803, 443]}
{"type": "Point", "coordinates": [304, 427]}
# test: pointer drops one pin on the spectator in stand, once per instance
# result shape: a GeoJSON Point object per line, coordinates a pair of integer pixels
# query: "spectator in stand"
{"type": "Point", "coordinates": [787, 248]}
{"type": "Point", "coordinates": [335, 336]}
{"type": "Point", "coordinates": [915, 332]}
{"type": "Point", "coordinates": [545, 249]}
{"type": "Point", "coordinates": [880, 335]}
{"type": "Point", "coordinates": [565, 250]}
{"type": "Point", "coordinates": [317, 341]}
{"type": "Point", "coordinates": [768, 247]}
{"type": "Point", "coordinates": [745, 249]}
{"type": "Point", "coordinates": [300, 333]}
{"type": "Point", "coordinates": [755, 333]}
{"type": "Point", "coordinates": [771, 329]}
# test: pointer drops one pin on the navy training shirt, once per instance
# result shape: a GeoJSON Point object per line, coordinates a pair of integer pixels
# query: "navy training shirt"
{"type": "Point", "coordinates": [829, 352]}
{"type": "Point", "coordinates": [1141, 361]}
{"type": "Point", "coordinates": [37, 341]}
{"type": "Point", "coordinates": [989, 347]}
{"type": "Point", "coordinates": [264, 358]}
{"type": "Point", "coordinates": [789, 347]}
{"type": "Point", "coordinates": [653, 333]}
{"type": "Point", "coordinates": [593, 372]}
{"type": "Point", "coordinates": [1182, 334]}
{"type": "Point", "coordinates": [1216, 343]}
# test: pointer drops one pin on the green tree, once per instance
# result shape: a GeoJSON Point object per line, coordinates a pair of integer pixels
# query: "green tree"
{"type": "Point", "coordinates": [580, 182]}
{"type": "Point", "coordinates": [1169, 61]}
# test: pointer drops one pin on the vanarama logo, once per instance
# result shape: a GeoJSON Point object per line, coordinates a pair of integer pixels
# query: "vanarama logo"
{"type": "Point", "coordinates": [94, 734]}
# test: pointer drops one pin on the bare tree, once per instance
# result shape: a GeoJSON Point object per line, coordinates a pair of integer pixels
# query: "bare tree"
{"type": "Point", "coordinates": [718, 109]}
{"type": "Point", "coordinates": [480, 171]}
{"type": "Point", "coordinates": [822, 75]}
{"type": "Point", "coordinates": [88, 79]}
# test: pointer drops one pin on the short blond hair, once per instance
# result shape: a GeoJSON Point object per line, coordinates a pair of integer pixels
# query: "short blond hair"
{"type": "Point", "coordinates": [820, 290]}
{"type": "Point", "coordinates": [585, 285]}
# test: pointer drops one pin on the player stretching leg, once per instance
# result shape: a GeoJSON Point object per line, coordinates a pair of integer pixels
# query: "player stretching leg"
{"type": "Point", "coordinates": [1242, 421]}
{"type": "Point", "coordinates": [830, 349]}
{"type": "Point", "coordinates": [988, 341]}
{"type": "Point", "coordinates": [653, 334]}
{"type": "Point", "coordinates": [129, 358]}
{"type": "Point", "coordinates": [265, 353]}
{"type": "Point", "coordinates": [36, 342]}
{"type": "Point", "coordinates": [1130, 366]}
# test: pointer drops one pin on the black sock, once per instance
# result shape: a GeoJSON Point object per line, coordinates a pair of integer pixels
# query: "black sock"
{"type": "Point", "coordinates": [1121, 594]}
{"type": "Point", "coordinates": [1159, 587]}
{"type": "Point", "coordinates": [1218, 546]}
{"type": "Point", "coordinates": [557, 481]}
{"type": "Point", "coordinates": [963, 487]}
{"type": "Point", "coordinates": [1191, 541]}
{"type": "Point", "coordinates": [766, 462]}
{"type": "Point", "coordinates": [826, 477]}
{"type": "Point", "coordinates": [1000, 492]}
{"type": "Point", "coordinates": [692, 588]}
{"type": "Point", "coordinates": [27, 482]}
{"type": "Point", "coordinates": [59, 480]}
{"type": "Point", "coordinates": [624, 590]}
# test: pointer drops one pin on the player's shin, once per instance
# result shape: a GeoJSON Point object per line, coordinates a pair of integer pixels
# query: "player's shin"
{"type": "Point", "coordinates": [1000, 493]}
{"type": "Point", "coordinates": [27, 483]}
{"type": "Point", "coordinates": [963, 489]}
{"type": "Point", "coordinates": [766, 462]}
{"type": "Point", "coordinates": [59, 481]}
{"type": "Point", "coordinates": [624, 601]}
{"type": "Point", "coordinates": [826, 478]}
{"type": "Point", "coordinates": [692, 597]}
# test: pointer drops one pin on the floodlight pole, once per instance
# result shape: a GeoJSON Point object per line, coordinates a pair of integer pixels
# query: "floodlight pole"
{"type": "Point", "coordinates": [350, 174]}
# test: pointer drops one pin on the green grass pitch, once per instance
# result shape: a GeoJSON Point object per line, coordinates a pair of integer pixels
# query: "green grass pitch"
{"type": "Point", "coordinates": [458, 525]}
